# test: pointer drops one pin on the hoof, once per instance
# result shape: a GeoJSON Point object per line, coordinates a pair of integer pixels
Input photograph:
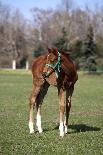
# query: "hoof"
{"type": "Point", "coordinates": [62, 134]}
{"type": "Point", "coordinates": [40, 130]}
{"type": "Point", "coordinates": [61, 129]}
{"type": "Point", "coordinates": [66, 130]}
{"type": "Point", "coordinates": [31, 131]}
{"type": "Point", "coordinates": [31, 127]}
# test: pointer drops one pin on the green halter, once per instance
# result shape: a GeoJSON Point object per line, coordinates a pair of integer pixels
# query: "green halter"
{"type": "Point", "coordinates": [53, 67]}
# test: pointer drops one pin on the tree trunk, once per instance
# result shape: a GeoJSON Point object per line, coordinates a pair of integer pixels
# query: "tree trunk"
{"type": "Point", "coordinates": [13, 64]}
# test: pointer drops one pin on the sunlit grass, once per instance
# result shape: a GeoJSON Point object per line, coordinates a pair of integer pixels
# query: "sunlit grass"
{"type": "Point", "coordinates": [85, 134]}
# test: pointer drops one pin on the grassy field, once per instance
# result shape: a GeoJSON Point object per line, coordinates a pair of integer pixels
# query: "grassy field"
{"type": "Point", "coordinates": [85, 136]}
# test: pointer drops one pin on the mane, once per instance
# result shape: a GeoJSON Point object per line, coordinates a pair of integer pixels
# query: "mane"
{"type": "Point", "coordinates": [65, 53]}
{"type": "Point", "coordinates": [55, 51]}
{"type": "Point", "coordinates": [67, 62]}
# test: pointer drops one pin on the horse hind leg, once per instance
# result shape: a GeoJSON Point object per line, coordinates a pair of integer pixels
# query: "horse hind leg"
{"type": "Point", "coordinates": [39, 101]}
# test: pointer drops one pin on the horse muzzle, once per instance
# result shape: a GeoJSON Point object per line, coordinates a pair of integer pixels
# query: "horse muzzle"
{"type": "Point", "coordinates": [44, 74]}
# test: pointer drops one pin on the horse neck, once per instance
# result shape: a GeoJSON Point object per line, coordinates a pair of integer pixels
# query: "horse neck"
{"type": "Point", "coordinates": [38, 65]}
{"type": "Point", "coordinates": [67, 64]}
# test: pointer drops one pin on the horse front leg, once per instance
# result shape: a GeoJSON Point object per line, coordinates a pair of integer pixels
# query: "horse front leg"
{"type": "Point", "coordinates": [39, 100]}
{"type": "Point", "coordinates": [69, 93]}
{"type": "Point", "coordinates": [38, 118]}
{"type": "Point", "coordinates": [32, 101]}
{"type": "Point", "coordinates": [31, 105]}
{"type": "Point", "coordinates": [62, 109]}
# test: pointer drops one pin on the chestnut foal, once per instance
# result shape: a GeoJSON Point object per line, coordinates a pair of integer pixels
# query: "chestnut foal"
{"type": "Point", "coordinates": [56, 68]}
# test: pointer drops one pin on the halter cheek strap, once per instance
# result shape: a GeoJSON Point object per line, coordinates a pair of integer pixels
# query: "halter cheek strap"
{"type": "Point", "coordinates": [54, 68]}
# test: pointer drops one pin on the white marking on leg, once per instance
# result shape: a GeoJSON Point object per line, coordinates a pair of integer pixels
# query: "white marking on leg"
{"type": "Point", "coordinates": [61, 128]}
{"type": "Point", "coordinates": [65, 127]}
{"type": "Point", "coordinates": [39, 123]}
{"type": "Point", "coordinates": [31, 127]}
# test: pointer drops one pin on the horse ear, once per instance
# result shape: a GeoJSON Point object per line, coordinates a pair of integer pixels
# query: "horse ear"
{"type": "Point", "coordinates": [49, 50]}
{"type": "Point", "coordinates": [55, 51]}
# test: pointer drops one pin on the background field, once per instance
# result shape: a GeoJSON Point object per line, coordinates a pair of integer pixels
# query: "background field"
{"type": "Point", "coordinates": [85, 134]}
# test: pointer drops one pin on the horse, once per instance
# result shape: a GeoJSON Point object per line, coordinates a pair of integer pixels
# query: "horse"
{"type": "Point", "coordinates": [55, 68]}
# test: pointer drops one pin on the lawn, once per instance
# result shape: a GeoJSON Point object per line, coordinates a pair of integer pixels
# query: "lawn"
{"type": "Point", "coordinates": [85, 134]}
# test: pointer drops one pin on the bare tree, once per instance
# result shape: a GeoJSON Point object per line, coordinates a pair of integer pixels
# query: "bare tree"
{"type": "Point", "coordinates": [67, 5]}
{"type": "Point", "coordinates": [19, 38]}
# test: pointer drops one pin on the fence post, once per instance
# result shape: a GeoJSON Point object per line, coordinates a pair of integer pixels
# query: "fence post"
{"type": "Point", "coordinates": [27, 65]}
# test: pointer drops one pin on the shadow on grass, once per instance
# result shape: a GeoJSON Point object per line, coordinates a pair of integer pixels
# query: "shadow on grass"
{"type": "Point", "coordinates": [83, 128]}
{"type": "Point", "coordinates": [80, 128]}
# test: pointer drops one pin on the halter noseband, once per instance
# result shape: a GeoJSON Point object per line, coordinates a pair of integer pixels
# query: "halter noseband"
{"type": "Point", "coordinates": [53, 68]}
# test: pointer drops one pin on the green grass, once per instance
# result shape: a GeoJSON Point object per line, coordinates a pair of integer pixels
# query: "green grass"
{"type": "Point", "coordinates": [85, 135]}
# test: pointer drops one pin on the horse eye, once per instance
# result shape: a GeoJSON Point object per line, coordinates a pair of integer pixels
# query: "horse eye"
{"type": "Point", "coordinates": [53, 60]}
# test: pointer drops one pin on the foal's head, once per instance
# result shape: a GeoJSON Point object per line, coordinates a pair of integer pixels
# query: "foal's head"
{"type": "Point", "coordinates": [51, 62]}
{"type": "Point", "coordinates": [52, 56]}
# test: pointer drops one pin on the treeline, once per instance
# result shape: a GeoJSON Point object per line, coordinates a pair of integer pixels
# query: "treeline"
{"type": "Point", "coordinates": [78, 31]}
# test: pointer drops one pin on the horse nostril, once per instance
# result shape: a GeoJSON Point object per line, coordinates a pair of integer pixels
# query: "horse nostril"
{"type": "Point", "coordinates": [44, 74]}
